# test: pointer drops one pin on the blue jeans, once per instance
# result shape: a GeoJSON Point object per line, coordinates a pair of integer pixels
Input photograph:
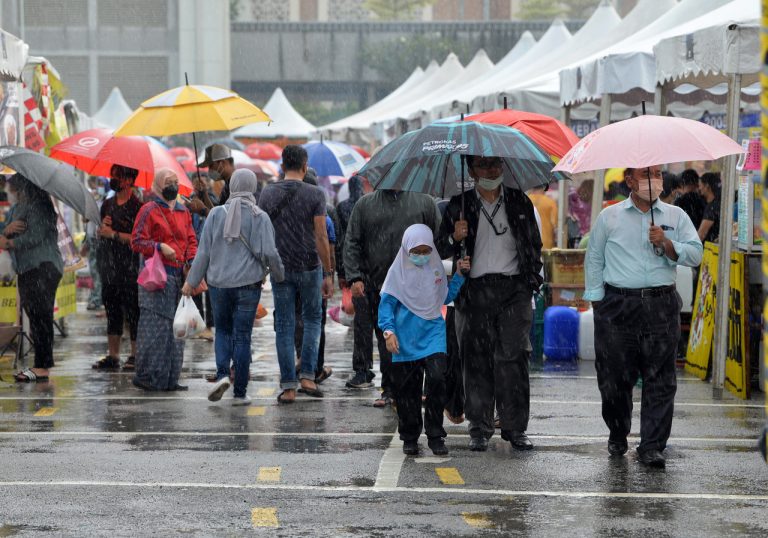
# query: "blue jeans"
{"type": "Point", "coordinates": [309, 286]}
{"type": "Point", "coordinates": [234, 310]}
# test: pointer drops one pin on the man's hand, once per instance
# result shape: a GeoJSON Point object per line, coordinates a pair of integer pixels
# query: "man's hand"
{"type": "Point", "coordinates": [14, 228]}
{"type": "Point", "coordinates": [464, 265]}
{"type": "Point", "coordinates": [197, 206]}
{"type": "Point", "coordinates": [167, 252]}
{"type": "Point", "coordinates": [656, 236]}
{"type": "Point", "coordinates": [106, 231]}
{"type": "Point", "coordinates": [460, 230]}
{"type": "Point", "coordinates": [358, 289]}
{"type": "Point", "coordinates": [328, 287]}
{"type": "Point", "coordinates": [393, 346]}
{"type": "Point", "coordinates": [186, 289]}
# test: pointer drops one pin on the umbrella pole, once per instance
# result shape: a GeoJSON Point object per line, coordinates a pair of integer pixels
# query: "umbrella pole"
{"type": "Point", "coordinates": [194, 138]}
{"type": "Point", "coordinates": [659, 251]}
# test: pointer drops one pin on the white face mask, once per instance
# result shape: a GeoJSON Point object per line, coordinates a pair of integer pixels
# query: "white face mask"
{"type": "Point", "coordinates": [657, 187]}
{"type": "Point", "coordinates": [490, 184]}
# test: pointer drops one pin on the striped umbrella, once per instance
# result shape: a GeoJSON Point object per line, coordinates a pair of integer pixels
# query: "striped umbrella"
{"type": "Point", "coordinates": [429, 160]}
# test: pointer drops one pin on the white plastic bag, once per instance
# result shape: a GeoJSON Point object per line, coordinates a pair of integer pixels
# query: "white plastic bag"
{"type": "Point", "coordinates": [6, 266]}
{"type": "Point", "coordinates": [187, 322]}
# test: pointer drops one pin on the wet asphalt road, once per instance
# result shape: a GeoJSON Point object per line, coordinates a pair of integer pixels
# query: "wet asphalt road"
{"type": "Point", "coordinates": [88, 454]}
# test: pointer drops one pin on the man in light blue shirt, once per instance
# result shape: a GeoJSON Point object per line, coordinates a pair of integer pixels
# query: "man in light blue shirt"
{"type": "Point", "coordinates": [630, 279]}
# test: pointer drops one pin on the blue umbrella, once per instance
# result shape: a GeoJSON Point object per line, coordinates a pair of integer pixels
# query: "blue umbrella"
{"type": "Point", "coordinates": [333, 158]}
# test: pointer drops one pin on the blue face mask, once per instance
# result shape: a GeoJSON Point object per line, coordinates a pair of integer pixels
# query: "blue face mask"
{"type": "Point", "coordinates": [419, 259]}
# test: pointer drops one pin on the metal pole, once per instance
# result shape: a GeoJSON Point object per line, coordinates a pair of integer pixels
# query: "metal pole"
{"type": "Point", "coordinates": [562, 194]}
{"type": "Point", "coordinates": [764, 120]}
{"type": "Point", "coordinates": [599, 186]}
{"type": "Point", "coordinates": [724, 259]}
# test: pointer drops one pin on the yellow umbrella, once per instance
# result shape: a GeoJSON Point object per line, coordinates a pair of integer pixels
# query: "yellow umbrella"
{"type": "Point", "coordinates": [190, 109]}
{"type": "Point", "coordinates": [613, 175]}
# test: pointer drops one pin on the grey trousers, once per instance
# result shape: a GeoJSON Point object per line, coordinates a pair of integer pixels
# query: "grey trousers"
{"type": "Point", "coordinates": [493, 325]}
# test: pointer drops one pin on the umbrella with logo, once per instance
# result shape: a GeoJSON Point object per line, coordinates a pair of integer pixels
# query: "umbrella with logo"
{"type": "Point", "coordinates": [54, 177]}
{"type": "Point", "coordinates": [333, 158]}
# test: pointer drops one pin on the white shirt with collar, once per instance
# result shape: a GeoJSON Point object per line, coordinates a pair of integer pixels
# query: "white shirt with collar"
{"type": "Point", "coordinates": [494, 254]}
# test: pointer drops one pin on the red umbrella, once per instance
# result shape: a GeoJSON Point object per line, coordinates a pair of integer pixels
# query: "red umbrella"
{"type": "Point", "coordinates": [95, 151]}
{"type": "Point", "coordinates": [361, 151]}
{"type": "Point", "coordinates": [554, 137]}
{"type": "Point", "coordinates": [264, 150]}
{"type": "Point", "coordinates": [186, 158]}
{"type": "Point", "coordinates": [263, 169]}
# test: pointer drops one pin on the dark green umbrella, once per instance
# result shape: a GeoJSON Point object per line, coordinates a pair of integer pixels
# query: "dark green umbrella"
{"type": "Point", "coordinates": [54, 177]}
{"type": "Point", "coordinates": [429, 160]}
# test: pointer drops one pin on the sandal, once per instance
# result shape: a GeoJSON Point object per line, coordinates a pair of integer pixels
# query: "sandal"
{"type": "Point", "coordinates": [282, 400]}
{"type": "Point", "coordinates": [324, 374]}
{"type": "Point", "coordinates": [130, 364]}
{"type": "Point", "coordinates": [107, 363]}
{"type": "Point", "coordinates": [28, 376]}
{"type": "Point", "coordinates": [314, 392]}
{"type": "Point", "coordinates": [384, 401]}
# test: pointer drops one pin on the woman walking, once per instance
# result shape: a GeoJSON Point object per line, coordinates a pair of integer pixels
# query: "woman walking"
{"type": "Point", "coordinates": [163, 225]}
{"type": "Point", "coordinates": [31, 238]}
{"type": "Point", "coordinates": [237, 250]}
{"type": "Point", "coordinates": [410, 316]}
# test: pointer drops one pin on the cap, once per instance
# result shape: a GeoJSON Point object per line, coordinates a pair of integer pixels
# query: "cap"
{"type": "Point", "coordinates": [215, 152]}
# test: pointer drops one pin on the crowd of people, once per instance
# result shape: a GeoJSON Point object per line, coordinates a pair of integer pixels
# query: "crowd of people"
{"type": "Point", "coordinates": [469, 362]}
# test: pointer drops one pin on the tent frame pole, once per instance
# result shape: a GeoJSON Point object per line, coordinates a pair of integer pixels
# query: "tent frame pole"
{"type": "Point", "coordinates": [727, 200]}
{"type": "Point", "coordinates": [562, 194]}
{"type": "Point", "coordinates": [599, 186]}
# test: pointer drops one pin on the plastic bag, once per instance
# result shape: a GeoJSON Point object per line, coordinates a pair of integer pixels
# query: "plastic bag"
{"type": "Point", "coordinates": [346, 301]}
{"type": "Point", "coordinates": [187, 322]}
{"type": "Point", "coordinates": [153, 277]}
{"type": "Point", "coordinates": [6, 266]}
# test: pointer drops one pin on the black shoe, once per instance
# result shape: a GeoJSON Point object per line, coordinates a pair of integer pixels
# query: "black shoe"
{"type": "Point", "coordinates": [652, 458]}
{"type": "Point", "coordinates": [411, 448]}
{"type": "Point", "coordinates": [143, 386]}
{"type": "Point", "coordinates": [359, 381]}
{"type": "Point", "coordinates": [617, 448]}
{"type": "Point", "coordinates": [370, 375]}
{"type": "Point", "coordinates": [107, 363]}
{"type": "Point", "coordinates": [478, 444]}
{"type": "Point", "coordinates": [437, 446]}
{"type": "Point", "coordinates": [518, 440]}
{"type": "Point", "coordinates": [179, 388]}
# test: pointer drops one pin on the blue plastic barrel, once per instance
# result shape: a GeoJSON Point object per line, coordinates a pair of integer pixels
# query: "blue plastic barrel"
{"type": "Point", "coordinates": [561, 333]}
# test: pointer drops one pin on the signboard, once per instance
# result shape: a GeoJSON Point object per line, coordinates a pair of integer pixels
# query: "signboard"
{"type": "Point", "coordinates": [66, 299]}
{"type": "Point", "coordinates": [703, 315]}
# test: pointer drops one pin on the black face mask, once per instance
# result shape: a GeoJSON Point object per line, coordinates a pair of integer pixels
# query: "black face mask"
{"type": "Point", "coordinates": [170, 192]}
{"type": "Point", "coordinates": [114, 184]}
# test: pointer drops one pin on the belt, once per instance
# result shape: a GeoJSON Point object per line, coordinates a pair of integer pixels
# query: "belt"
{"type": "Point", "coordinates": [641, 292]}
{"type": "Point", "coordinates": [493, 277]}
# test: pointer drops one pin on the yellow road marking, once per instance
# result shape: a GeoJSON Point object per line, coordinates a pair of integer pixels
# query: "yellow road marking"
{"type": "Point", "coordinates": [477, 520]}
{"type": "Point", "coordinates": [265, 392]}
{"type": "Point", "coordinates": [449, 475]}
{"type": "Point", "coordinates": [46, 411]}
{"type": "Point", "coordinates": [269, 474]}
{"type": "Point", "coordinates": [264, 517]}
{"type": "Point", "coordinates": [256, 411]}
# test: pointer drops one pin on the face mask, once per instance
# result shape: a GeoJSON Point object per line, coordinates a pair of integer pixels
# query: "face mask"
{"type": "Point", "coordinates": [489, 184]}
{"type": "Point", "coordinates": [170, 192]}
{"type": "Point", "coordinates": [657, 187]}
{"type": "Point", "coordinates": [419, 259]}
{"type": "Point", "coordinates": [100, 191]}
{"type": "Point", "coordinates": [213, 174]}
{"type": "Point", "coordinates": [114, 184]}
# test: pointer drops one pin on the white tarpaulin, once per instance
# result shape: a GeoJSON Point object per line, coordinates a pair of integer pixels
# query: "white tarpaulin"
{"type": "Point", "coordinates": [286, 121]}
{"type": "Point", "coordinates": [113, 112]}
{"type": "Point", "coordinates": [13, 56]}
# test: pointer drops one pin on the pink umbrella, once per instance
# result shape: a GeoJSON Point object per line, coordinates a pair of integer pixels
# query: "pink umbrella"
{"type": "Point", "coordinates": [647, 141]}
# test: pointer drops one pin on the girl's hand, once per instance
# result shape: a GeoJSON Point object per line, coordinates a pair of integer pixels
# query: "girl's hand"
{"type": "Point", "coordinates": [167, 252]}
{"type": "Point", "coordinates": [393, 346]}
{"type": "Point", "coordinates": [464, 266]}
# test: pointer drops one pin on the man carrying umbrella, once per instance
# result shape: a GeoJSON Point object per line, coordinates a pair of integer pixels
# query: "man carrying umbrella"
{"type": "Point", "coordinates": [221, 165]}
{"type": "Point", "coordinates": [493, 310]}
{"type": "Point", "coordinates": [630, 279]}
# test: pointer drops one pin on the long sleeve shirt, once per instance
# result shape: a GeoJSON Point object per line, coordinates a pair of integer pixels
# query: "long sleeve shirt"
{"type": "Point", "coordinates": [37, 244]}
{"type": "Point", "coordinates": [620, 254]}
{"type": "Point", "coordinates": [418, 337]}
{"type": "Point", "coordinates": [157, 223]}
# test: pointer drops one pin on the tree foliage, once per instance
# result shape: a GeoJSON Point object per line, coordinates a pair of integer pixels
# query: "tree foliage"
{"type": "Point", "coordinates": [396, 10]}
{"type": "Point", "coordinates": [581, 9]}
{"type": "Point", "coordinates": [541, 9]}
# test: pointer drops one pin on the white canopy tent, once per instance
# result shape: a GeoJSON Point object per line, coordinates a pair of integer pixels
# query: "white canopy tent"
{"type": "Point", "coordinates": [14, 57]}
{"type": "Point", "coordinates": [113, 112]}
{"type": "Point", "coordinates": [286, 121]}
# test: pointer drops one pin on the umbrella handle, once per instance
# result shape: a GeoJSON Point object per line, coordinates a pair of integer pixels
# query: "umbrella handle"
{"type": "Point", "coordinates": [659, 251]}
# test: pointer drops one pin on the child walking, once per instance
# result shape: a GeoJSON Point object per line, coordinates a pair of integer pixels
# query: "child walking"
{"type": "Point", "coordinates": [410, 315]}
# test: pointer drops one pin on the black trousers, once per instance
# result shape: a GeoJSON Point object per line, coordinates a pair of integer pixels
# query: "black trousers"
{"type": "Point", "coordinates": [454, 380]}
{"type": "Point", "coordinates": [493, 325]}
{"type": "Point", "coordinates": [637, 336]}
{"type": "Point", "coordinates": [407, 385]}
{"type": "Point", "coordinates": [37, 291]}
{"type": "Point", "coordinates": [121, 303]}
{"type": "Point", "coordinates": [298, 334]}
{"type": "Point", "coordinates": [365, 326]}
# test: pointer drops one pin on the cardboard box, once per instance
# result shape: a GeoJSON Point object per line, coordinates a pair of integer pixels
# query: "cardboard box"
{"type": "Point", "coordinates": [564, 266]}
{"type": "Point", "coordinates": [567, 296]}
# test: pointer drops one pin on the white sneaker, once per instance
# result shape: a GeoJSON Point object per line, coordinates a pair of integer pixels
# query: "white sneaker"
{"type": "Point", "coordinates": [218, 390]}
{"type": "Point", "coordinates": [244, 400]}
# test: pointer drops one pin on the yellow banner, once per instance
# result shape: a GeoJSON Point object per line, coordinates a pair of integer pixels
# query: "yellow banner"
{"type": "Point", "coordinates": [703, 316]}
{"type": "Point", "coordinates": [737, 360]}
{"type": "Point", "coordinates": [66, 299]}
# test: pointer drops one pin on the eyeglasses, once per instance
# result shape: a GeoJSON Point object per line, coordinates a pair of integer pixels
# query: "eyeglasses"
{"type": "Point", "coordinates": [486, 164]}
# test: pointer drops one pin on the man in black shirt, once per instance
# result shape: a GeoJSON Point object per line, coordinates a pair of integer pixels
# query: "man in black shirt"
{"type": "Point", "coordinates": [221, 166]}
{"type": "Point", "coordinates": [119, 266]}
{"type": "Point", "coordinates": [691, 201]}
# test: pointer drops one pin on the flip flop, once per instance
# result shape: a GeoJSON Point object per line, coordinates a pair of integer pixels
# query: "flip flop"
{"type": "Point", "coordinates": [28, 376]}
{"type": "Point", "coordinates": [325, 374]}
{"type": "Point", "coordinates": [315, 393]}
{"type": "Point", "coordinates": [383, 402]}
{"type": "Point", "coordinates": [281, 400]}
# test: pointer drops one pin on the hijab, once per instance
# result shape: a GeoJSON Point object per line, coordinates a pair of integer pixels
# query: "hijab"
{"type": "Point", "coordinates": [242, 185]}
{"type": "Point", "coordinates": [422, 290]}
{"type": "Point", "coordinates": [161, 178]}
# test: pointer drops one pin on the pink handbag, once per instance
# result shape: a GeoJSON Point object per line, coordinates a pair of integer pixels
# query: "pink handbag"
{"type": "Point", "coordinates": [153, 277]}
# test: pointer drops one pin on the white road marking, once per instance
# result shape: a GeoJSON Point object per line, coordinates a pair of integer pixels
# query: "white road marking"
{"type": "Point", "coordinates": [431, 460]}
{"type": "Point", "coordinates": [386, 489]}
{"type": "Point", "coordinates": [391, 464]}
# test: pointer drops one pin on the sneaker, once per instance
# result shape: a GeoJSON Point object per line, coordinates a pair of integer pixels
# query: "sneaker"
{"type": "Point", "coordinates": [241, 400]}
{"type": "Point", "coordinates": [359, 381]}
{"type": "Point", "coordinates": [437, 446]}
{"type": "Point", "coordinates": [411, 448]}
{"type": "Point", "coordinates": [370, 375]}
{"type": "Point", "coordinates": [218, 390]}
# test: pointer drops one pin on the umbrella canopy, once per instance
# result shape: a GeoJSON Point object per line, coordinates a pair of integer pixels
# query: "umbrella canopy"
{"type": "Point", "coordinates": [362, 152]}
{"type": "Point", "coordinates": [191, 109]}
{"type": "Point", "coordinates": [333, 158]}
{"type": "Point", "coordinates": [647, 141]}
{"type": "Point", "coordinates": [185, 157]}
{"type": "Point", "coordinates": [263, 169]}
{"type": "Point", "coordinates": [95, 151]}
{"type": "Point", "coordinates": [230, 142]}
{"type": "Point", "coordinates": [554, 137]}
{"type": "Point", "coordinates": [264, 150]}
{"type": "Point", "coordinates": [428, 160]}
{"type": "Point", "coordinates": [54, 177]}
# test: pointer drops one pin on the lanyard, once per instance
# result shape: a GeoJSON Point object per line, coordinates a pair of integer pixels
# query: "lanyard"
{"type": "Point", "coordinates": [492, 216]}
